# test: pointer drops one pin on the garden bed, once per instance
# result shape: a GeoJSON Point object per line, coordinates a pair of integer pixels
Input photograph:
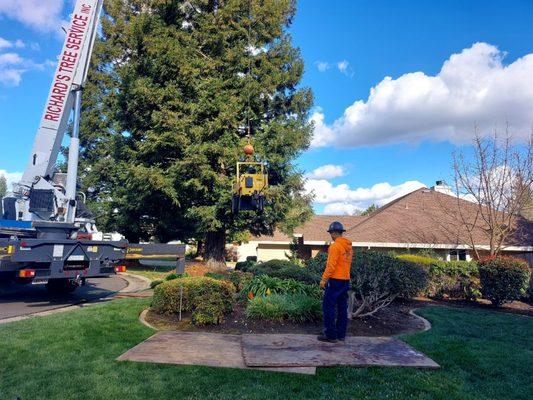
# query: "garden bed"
{"type": "Point", "coordinates": [392, 320]}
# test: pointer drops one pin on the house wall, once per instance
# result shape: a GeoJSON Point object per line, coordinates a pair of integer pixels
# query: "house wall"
{"type": "Point", "coordinates": [266, 252]}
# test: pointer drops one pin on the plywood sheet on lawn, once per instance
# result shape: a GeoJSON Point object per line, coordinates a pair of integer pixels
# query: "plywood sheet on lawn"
{"type": "Point", "coordinates": [188, 348]}
{"type": "Point", "coordinates": [291, 350]}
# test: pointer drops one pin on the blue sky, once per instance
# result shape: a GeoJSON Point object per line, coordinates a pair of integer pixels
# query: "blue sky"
{"type": "Point", "coordinates": [365, 149]}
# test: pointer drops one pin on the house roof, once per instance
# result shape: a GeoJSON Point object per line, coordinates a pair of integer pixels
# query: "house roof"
{"type": "Point", "coordinates": [425, 216]}
{"type": "Point", "coordinates": [429, 216]}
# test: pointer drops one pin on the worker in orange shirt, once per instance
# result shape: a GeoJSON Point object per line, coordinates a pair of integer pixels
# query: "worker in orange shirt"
{"type": "Point", "coordinates": [336, 282]}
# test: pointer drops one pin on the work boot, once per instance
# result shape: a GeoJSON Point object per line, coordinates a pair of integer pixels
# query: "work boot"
{"type": "Point", "coordinates": [324, 338]}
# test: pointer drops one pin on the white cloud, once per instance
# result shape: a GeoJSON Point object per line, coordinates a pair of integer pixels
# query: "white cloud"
{"type": "Point", "coordinates": [473, 87]}
{"type": "Point", "coordinates": [11, 69]}
{"type": "Point", "coordinates": [38, 14]}
{"type": "Point", "coordinates": [342, 197]}
{"type": "Point", "coordinates": [342, 209]}
{"type": "Point", "coordinates": [322, 66]}
{"type": "Point", "coordinates": [11, 177]}
{"type": "Point", "coordinates": [6, 44]}
{"type": "Point", "coordinates": [323, 135]}
{"type": "Point", "coordinates": [328, 171]}
{"type": "Point", "coordinates": [345, 68]}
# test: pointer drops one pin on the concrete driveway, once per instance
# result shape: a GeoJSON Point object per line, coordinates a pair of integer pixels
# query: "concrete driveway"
{"type": "Point", "coordinates": [29, 299]}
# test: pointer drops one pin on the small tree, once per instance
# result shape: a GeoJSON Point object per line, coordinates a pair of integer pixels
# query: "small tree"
{"type": "Point", "coordinates": [370, 209]}
{"type": "Point", "coordinates": [497, 180]}
{"type": "Point", "coordinates": [3, 186]}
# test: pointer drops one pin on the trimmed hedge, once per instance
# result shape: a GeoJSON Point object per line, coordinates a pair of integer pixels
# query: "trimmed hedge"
{"type": "Point", "coordinates": [208, 299]}
{"type": "Point", "coordinates": [452, 279]}
{"type": "Point", "coordinates": [503, 279]}
{"type": "Point", "coordinates": [292, 307]}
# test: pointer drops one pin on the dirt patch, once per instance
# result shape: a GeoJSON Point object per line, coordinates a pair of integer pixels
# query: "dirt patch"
{"type": "Point", "coordinates": [393, 320]}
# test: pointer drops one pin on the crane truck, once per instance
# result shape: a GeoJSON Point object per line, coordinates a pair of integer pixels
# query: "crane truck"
{"type": "Point", "coordinates": [46, 234]}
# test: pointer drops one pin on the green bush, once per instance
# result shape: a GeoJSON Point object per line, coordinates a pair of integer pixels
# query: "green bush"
{"type": "Point", "coordinates": [285, 269]}
{"type": "Point", "coordinates": [452, 279]}
{"type": "Point", "coordinates": [292, 307]}
{"type": "Point", "coordinates": [244, 266]}
{"type": "Point", "coordinates": [317, 264]}
{"type": "Point", "coordinates": [262, 285]}
{"type": "Point", "coordinates": [417, 259]}
{"type": "Point", "coordinates": [238, 278]}
{"type": "Point", "coordinates": [378, 278]}
{"type": "Point", "coordinates": [155, 283]}
{"type": "Point", "coordinates": [208, 299]}
{"type": "Point", "coordinates": [503, 279]}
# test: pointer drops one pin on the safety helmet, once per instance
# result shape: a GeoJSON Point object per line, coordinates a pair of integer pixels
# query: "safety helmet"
{"type": "Point", "coordinates": [336, 226]}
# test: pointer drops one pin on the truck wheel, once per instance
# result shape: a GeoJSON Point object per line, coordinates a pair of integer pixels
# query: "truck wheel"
{"type": "Point", "coordinates": [61, 286]}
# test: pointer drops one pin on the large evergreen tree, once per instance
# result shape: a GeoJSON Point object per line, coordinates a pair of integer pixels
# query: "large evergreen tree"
{"type": "Point", "coordinates": [172, 85]}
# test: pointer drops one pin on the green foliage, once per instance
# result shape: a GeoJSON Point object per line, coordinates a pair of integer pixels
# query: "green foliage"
{"type": "Point", "coordinates": [263, 285]}
{"type": "Point", "coordinates": [448, 279]}
{"type": "Point", "coordinates": [503, 279]}
{"type": "Point", "coordinates": [285, 269]}
{"type": "Point", "coordinates": [370, 209]}
{"type": "Point", "coordinates": [3, 186]}
{"type": "Point", "coordinates": [166, 95]}
{"type": "Point", "coordinates": [317, 264]}
{"type": "Point", "coordinates": [171, 276]}
{"type": "Point", "coordinates": [207, 299]}
{"type": "Point", "coordinates": [378, 278]}
{"type": "Point", "coordinates": [244, 266]}
{"type": "Point", "coordinates": [417, 259]}
{"type": "Point", "coordinates": [238, 278]}
{"type": "Point", "coordinates": [155, 283]}
{"type": "Point", "coordinates": [293, 307]}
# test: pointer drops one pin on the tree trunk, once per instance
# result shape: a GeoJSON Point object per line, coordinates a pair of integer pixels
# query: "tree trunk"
{"type": "Point", "coordinates": [199, 249]}
{"type": "Point", "coordinates": [215, 246]}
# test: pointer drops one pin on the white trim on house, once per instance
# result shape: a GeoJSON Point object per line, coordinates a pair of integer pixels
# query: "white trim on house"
{"type": "Point", "coordinates": [403, 245]}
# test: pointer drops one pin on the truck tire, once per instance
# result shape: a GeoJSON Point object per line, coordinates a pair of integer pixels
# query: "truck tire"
{"type": "Point", "coordinates": [61, 286]}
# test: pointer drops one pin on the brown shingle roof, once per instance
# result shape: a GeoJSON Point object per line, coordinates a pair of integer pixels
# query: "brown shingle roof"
{"type": "Point", "coordinates": [428, 216]}
{"type": "Point", "coordinates": [424, 216]}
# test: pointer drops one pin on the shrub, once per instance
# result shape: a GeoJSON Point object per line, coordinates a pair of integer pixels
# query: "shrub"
{"type": "Point", "coordinates": [378, 278]}
{"type": "Point", "coordinates": [238, 278]}
{"type": "Point", "coordinates": [503, 279]}
{"type": "Point", "coordinates": [292, 307]}
{"type": "Point", "coordinates": [263, 285]}
{"type": "Point", "coordinates": [244, 266]}
{"type": "Point", "coordinates": [155, 283]}
{"type": "Point", "coordinates": [285, 269]}
{"type": "Point", "coordinates": [317, 264]}
{"type": "Point", "coordinates": [417, 259]}
{"type": "Point", "coordinates": [453, 279]}
{"type": "Point", "coordinates": [207, 299]}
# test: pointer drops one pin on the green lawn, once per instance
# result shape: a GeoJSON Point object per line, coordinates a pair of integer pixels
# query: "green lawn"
{"type": "Point", "coordinates": [484, 355]}
{"type": "Point", "coordinates": [151, 273]}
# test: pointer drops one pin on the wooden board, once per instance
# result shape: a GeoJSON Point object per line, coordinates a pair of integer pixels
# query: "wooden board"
{"type": "Point", "coordinates": [189, 348]}
{"type": "Point", "coordinates": [305, 350]}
